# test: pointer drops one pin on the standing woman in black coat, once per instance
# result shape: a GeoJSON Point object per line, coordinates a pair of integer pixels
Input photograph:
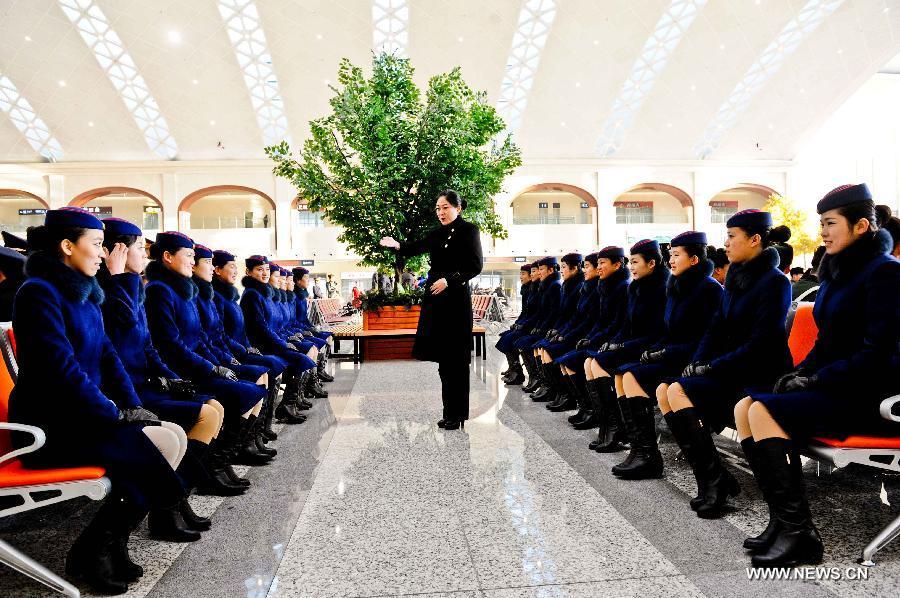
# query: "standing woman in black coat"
{"type": "Point", "coordinates": [445, 324]}
{"type": "Point", "coordinates": [836, 391]}
{"type": "Point", "coordinates": [745, 346]}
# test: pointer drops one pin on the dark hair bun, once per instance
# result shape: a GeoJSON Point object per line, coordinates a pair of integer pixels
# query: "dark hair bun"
{"type": "Point", "coordinates": [780, 234]}
{"type": "Point", "coordinates": [38, 238]}
{"type": "Point", "coordinates": [156, 251]}
{"type": "Point", "coordinates": [883, 213]}
{"type": "Point", "coordinates": [463, 204]}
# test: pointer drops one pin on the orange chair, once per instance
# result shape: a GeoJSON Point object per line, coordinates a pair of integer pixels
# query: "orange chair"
{"type": "Point", "coordinates": [35, 487]}
{"type": "Point", "coordinates": [871, 451]}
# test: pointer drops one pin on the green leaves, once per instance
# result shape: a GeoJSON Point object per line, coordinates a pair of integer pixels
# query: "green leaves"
{"type": "Point", "coordinates": [376, 164]}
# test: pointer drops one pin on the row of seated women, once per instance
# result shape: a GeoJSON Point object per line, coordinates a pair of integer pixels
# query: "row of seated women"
{"type": "Point", "coordinates": [164, 385]}
{"type": "Point", "coordinates": [711, 357]}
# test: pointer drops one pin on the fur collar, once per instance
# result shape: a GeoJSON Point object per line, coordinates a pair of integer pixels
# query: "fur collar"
{"type": "Point", "coordinates": [72, 284]}
{"type": "Point", "coordinates": [277, 297]}
{"type": "Point", "coordinates": [851, 260]}
{"type": "Point", "coordinates": [690, 278]}
{"type": "Point", "coordinates": [263, 289]}
{"type": "Point", "coordinates": [301, 293]}
{"type": "Point", "coordinates": [554, 277]}
{"type": "Point", "coordinates": [182, 285]}
{"type": "Point", "coordinates": [131, 281]}
{"type": "Point", "coordinates": [204, 289]}
{"type": "Point", "coordinates": [590, 286]}
{"type": "Point", "coordinates": [613, 280]}
{"type": "Point", "coordinates": [741, 277]}
{"type": "Point", "coordinates": [226, 290]}
{"type": "Point", "coordinates": [290, 296]}
{"type": "Point", "coordinates": [572, 283]}
{"type": "Point", "coordinates": [653, 281]}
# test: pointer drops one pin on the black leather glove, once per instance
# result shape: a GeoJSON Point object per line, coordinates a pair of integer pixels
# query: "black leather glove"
{"type": "Point", "coordinates": [308, 333]}
{"type": "Point", "coordinates": [550, 334]}
{"type": "Point", "coordinates": [182, 390]}
{"type": "Point", "coordinates": [223, 372]}
{"type": "Point", "coordinates": [582, 343]}
{"type": "Point", "coordinates": [138, 415]}
{"type": "Point", "coordinates": [649, 356]}
{"type": "Point", "coordinates": [559, 338]}
{"type": "Point", "coordinates": [696, 369]}
{"type": "Point", "coordinates": [295, 338]}
{"type": "Point", "coordinates": [234, 361]}
{"type": "Point", "coordinates": [793, 382]}
{"type": "Point", "coordinates": [613, 346]}
{"type": "Point", "coordinates": [253, 351]}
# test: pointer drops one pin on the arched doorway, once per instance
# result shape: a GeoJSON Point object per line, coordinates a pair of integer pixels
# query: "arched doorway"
{"type": "Point", "coordinates": [553, 204]}
{"type": "Point", "coordinates": [134, 205]}
{"type": "Point", "coordinates": [653, 211]}
{"type": "Point", "coordinates": [19, 210]}
{"type": "Point", "coordinates": [743, 197]}
{"type": "Point", "coordinates": [233, 217]}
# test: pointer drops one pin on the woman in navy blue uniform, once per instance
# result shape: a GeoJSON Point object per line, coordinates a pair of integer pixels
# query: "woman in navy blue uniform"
{"type": "Point", "coordinates": [744, 346]}
{"type": "Point", "coordinates": [692, 297]}
{"type": "Point", "coordinates": [298, 297]}
{"type": "Point", "coordinates": [513, 374]}
{"type": "Point", "coordinates": [158, 387]}
{"type": "Point", "coordinates": [836, 391]}
{"type": "Point", "coordinates": [642, 327]}
{"type": "Point", "coordinates": [260, 321]}
{"type": "Point", "coordinates": [554, 342]}
{"type": "Point", "coordinates": [178, 336]}
{"type": "Point", "coordinates": [214, 331]}
{"type": "Point", "coordinates": [609, 316]}
{"type": "Point", "coordinates": [72, 385]}
{"type": "Point", "coordinates": [546, 312]}
{"type": "Point", "coordinates": [444, 334]}
{"type": "Point", "coordinates": [225, 299]}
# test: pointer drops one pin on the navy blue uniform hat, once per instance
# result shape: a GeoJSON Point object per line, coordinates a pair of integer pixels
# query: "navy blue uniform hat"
{"type": "Point", "coordinates": [202, 252]}
{"type": "Point", "coordinates": [300, 272]}
{"type": "Point", "coordinates": [550, 261]}
{"type": "Point", "coordinates": [116, 227]}
{"type": "Point", "coordinates": [750, 219]}
{"type": "Point", "coordinates": [172, 241]}
{"type": "Point", "coordinates": [592, 258]}
{"type": "Point", "coordinates": [255, 260]}
{"type": "Point", "coordinates": [525, 268]}
{"type": "Point", "coordinates": [11, 262]}
{"type": "Point", "coordinates": [221, 257]}
{"type": "Point", "coordinates": [274, 269]}
{"type": "Point", "coordinates": [71, 217]}
{"type": "Point", "coordinates": [844, 195]}
{"type": "Point", "coordinates": [691, 237]}
{"type": "Point", "coordinates": [645, 246]}
{"type": "Point", "coordinates": [573, 259]}
{"type": "Point", "coordinates": [611, 253]}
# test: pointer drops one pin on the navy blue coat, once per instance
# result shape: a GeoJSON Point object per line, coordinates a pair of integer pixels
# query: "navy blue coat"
{"type": "Point", "coordinates": [746, 342]}
{"type": "Point", "coordinates": [550, 297]}
{"type": "Point", "coordinates": [226, 301]}
{"type": "Point", "coordinates": [72, 385]}
{"type": "Point", "coordinates": [644, 320]}
{"type": "Point", "coordinates": [607, 315]}
{"type": "Point", "coordinates": [691, 301]}
{"type": "Point", "coordinates": [508, 337]}
{"type": "Point", "coordinates": [259, 323]}
{"type": "Point", "coordinates": [125, 322]}
{"type": "Point", "coordinates": [856, 348]}
{"type": "Point", "coordinates": [568, 305]}
{"type": "Point", "coordinates": [178, 335]}
{"type": "Point", "coordinates": [299, 302]}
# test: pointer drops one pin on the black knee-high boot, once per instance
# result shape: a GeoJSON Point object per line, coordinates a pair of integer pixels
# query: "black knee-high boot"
{"type": "Point", "coordinates": [247, 451]}
{"type": "Point", "coordinates": [288, 410]}
{"type": "Point", "coordinates": [256, 433]}
{"type": "Point", "coordinates": [268, 411]}
{"type": "Point", "coordinates": [564, 400]}
{"type": "Point", "coordinates": [763, 541]}
{"type": "Point", "coordinates": [797, 541]}
{"type": "Point", "coordinates": [320, 368]}
{"type": "Point", "coordinates": [124, 569]}
{"type": "Point", "coordinates": [644, 460]}
{"type": "Point", "coordinates": [676, 425]}
{"type": "Point", "coordinates": [514, 375]}
{"type": "Point", "coordinates": [192, 473]}
{"type": "Point", "coordinates": [715, 481]}
{"type": "Point", "coordinates": [546, 391]}
{"type": "Point", "coordinates": [313, 387]}
{"type": "Point", "coordinates": [611, 433]}
{"type": "Point", "coordinates": [531, 366]}
{"type": "Point", "coordinates": [578, 390]}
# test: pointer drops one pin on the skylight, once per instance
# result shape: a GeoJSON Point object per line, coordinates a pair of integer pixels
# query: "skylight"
{"type": "Point", "coordinates": [390, 19]}
{"type": "Point", "coordinates": [27, 121]}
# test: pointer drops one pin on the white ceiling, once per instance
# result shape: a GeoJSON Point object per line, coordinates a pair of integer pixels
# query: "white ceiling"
{"type": "Point", "coordinates": [591, 48]}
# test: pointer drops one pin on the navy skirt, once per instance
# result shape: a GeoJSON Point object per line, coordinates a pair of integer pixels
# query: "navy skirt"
{"type": "Point", "coordinates": [273, 364]}
{"type": "Point", "coordinates": [714, 399]}
{"type": "Point", "coordinates": [650, 375]}
{"type": "Point", "coordinates": [574, 360]}
{"type": "Point", "coordinates": [248, 372]}
{"type": "Point", "coordinates": [181, 412]}
{"type": "Point", "coordinates": [527, 341]}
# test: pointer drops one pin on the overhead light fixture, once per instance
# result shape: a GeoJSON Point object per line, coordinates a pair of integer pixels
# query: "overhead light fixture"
{"type": "Point", "coordinates": [62, 83]}
{"type": "Point", "coordinates": [212, 123]}
{"type": "Point", "coordinates": [174, 37]}
{"type": "Point", "coordinates": [27, 38]}
{"type": "Point", "coordinates": [667, 34]}
{"type": "Point", "coordinates": [90, 123]}
{"type": "Point", "coordinates": [120, 68]}
{"type": "Point", "coordinates": [251, 50]}
{"type": "Point", "coordinates": [194, 81]}
{"type": "Point", "coordinates": [26, 120]}
{"type": "Point", "coordinates": [807, 20]}
{"type": "Point", "coordinates": [390, 19]}
{"type": "Point", "coordinates": [535, 20]}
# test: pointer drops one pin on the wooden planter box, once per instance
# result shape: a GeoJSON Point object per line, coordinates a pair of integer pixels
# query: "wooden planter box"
{"type": "Point", "coordinates": [390, 318]}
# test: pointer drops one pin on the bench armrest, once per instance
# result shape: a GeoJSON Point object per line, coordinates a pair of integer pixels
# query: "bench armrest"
{"type": "Point", "coordinates": [39, 439]}
{"type": "Point", "coordinates": [886, 406]}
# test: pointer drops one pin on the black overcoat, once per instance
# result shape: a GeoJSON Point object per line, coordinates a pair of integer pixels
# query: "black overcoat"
{"type": "Point", "coordinates": [445, 323]}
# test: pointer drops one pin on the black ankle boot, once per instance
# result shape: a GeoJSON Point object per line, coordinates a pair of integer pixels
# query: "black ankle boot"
{"type": "Point", "coordinates": [716, 482]}
{"type": "Point", "coordinates": [644, 460]}
{"type": "Point", "coordinates": [676, 427]}
{"type": "Point", "coordinates": [167, 524]}
{"type": "Point", "coordinates": [763, 541]}
{"type": "Point", "coordinates": [797, 542]}
{"type": "Point", "coordinates": [611, 433]}
{"type": "Point", "coordinates": [247, 453]}
{"type": "Point", "coordinates": [192, 519]}
{"type": "Point", "coordinates": [95, 554]}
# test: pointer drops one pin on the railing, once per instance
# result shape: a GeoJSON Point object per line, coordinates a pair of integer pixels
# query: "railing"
{"type": "Point", "coordinates": [222, 222]}
{"type": "Point", "coordinates": [517, 220]}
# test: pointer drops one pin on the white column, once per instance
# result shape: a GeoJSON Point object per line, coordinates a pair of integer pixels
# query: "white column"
{"type": "Point", "coordinates": [170, 200]}
{"type": "Point", "coordinates": [56, 191]}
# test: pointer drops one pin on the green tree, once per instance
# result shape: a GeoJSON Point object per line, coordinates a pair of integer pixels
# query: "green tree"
{"type": "Point", "coordinates": [376, 164]}
{"type": "Point", "coordinates": [803, 238]}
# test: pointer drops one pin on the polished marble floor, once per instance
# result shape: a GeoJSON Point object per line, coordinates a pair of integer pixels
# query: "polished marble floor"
{"type": "Point", "coordinates": [370, 498]}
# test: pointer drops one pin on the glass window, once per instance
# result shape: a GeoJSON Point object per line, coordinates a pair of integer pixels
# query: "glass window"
{"type": "Point", "coordinates": [720, 212]}
{"type": "Point", "coordinates": [634, 212]}
{"type": "Point", "coordinates": [310, 219]}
